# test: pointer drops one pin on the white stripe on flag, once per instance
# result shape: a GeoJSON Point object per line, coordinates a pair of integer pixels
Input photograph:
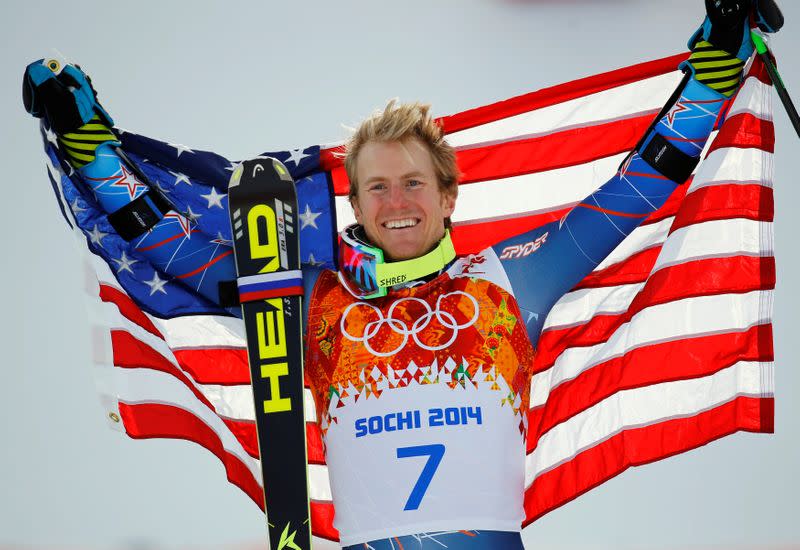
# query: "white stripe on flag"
{"type": "Point", "coordinates": [754, 97]}
{"type": "Point", "coordinates": [735, 165]}
{"type": "Point", "coordinates": [580, 306]}
{"type": "Point", "coordinates": [641, 238]}
{"type": "Point", "coordinates": [714, 239]}
{"type": "Point", "coordinates": [533, 192]}
{"type": "Point", "coordinates": [230, 401]}
{"type": "Point", "coordinates": [643, 407]}
{"type": "Point", "coordinates": [319, 483]}
{"type": "Point", "coordinates": [639, 97]}
{"type": "Point", "coordinates": [676, 320]}
{"type": "Point", "coordinates": [206, 331]}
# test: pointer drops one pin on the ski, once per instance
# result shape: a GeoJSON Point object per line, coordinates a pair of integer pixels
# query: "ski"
{"type": "Point", "coordinates": [263, 206]}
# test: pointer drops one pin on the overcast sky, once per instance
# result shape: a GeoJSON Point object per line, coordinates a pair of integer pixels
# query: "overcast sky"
{"type": "Point", "coordinates": [243, 77]}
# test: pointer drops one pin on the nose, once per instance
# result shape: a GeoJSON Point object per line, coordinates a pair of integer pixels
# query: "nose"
{"type": "Point", "coordinates": [397, 197]}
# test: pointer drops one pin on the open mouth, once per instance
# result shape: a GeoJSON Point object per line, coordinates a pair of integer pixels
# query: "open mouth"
{"type": "Point", "coordinates": [401, 223]}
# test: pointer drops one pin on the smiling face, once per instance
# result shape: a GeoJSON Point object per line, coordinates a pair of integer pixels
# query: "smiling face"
{"type": "Point", "coordinates": [398, 201]}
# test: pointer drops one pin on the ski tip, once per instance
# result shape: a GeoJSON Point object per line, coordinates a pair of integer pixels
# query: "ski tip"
{"type": "Point", "coordinates": [236, 177]}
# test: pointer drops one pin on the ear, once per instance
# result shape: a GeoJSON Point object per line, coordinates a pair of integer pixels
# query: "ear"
{"type": "Point", "coordinates": [448, 204]}
{"type": "Point", "coordinates": [356, 210]}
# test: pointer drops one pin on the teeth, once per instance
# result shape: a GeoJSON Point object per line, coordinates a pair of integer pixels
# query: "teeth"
{"type": "Point", "coordinates": [398, 224]}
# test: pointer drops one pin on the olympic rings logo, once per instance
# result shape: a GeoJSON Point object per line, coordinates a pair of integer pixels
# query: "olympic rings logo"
{"type": "Point", "coordinates": [400, 327]}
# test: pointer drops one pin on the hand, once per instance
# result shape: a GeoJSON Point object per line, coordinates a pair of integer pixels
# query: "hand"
{"type": "Point", "coordinates": [727, 24]}
{"type": "Point", "coordinates": [62, 94]}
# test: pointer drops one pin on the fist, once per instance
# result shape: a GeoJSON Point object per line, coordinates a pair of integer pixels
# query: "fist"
{"type": "Point", "coordinates": [63, 94]}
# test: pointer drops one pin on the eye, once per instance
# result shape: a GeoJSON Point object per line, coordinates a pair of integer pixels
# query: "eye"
{"type": "Point", "coordinates": [377, 187]}
{"type": "Point", "coordinates": [414, 183]}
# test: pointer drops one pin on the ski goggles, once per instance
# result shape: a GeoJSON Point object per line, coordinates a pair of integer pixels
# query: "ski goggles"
{"type": "Point", "coordinates": [365, 273]}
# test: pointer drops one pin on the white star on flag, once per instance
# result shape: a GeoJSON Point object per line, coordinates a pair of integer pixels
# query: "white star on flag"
{"type": "Point", "coordinates": [309, 218]}
{"type": "Point", "coordinates": [180, 148]}
{"type": "Point", "coordinates": [76, 207]}
{"type": "Point", "coordinates": [125, 263]}
{"type": "Point", "coordinates": [96, 236]}
{"type": "Point", "coordinates": [312, 261]}
{"type": "Point", "coordinates": [51, 136]}
{"type": "Point", "coordinates": [156, 284]}
{"type": "Point", "coordinates": [222, 240]}
{"type": "Point", "coordinates": [191, 215]}
{"type": "Point", "coordinates": [214, 198]}
{"type": "Point", "coordinates": [161, 187]}
{"type": "Point", "coordinates": [296, 155]}
{"type": "Point", "coordinates": [181, 178]}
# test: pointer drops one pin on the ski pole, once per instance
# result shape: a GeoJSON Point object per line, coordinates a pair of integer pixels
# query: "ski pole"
{"type": "Point", "coordinates": [764, 53]}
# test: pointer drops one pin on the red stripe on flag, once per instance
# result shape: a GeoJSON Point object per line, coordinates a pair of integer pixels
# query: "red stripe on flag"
{"type": "Point", "coordinates": [633, 269]}
{"type": "Point", "coordinates": [245, 432]}
{"type": "Point", "coordinates": [688, 358]}
{"type": "Point", "coordinates": [315, 448]}
{"type": "Point", "coordinates": [759, 71]}
{"type": "Point", "coordinates": [637, 446]}
{"type": "Point", "coordinates": [340, 181]}
{"type": "Point", "coordinates": [223, 366]}
{"type": "Point", "coordinates": [128, 308]}
{"type": "Point", "coordinates": [723, 202]}
{"type": "Point", "coordinates": [549, 152]}
{"type": "Point", "coordinates": [331, 158]}
{"type": "Point", "coordinates": [560, 93]}
{"type": "Point", "coordinates": [735, 274]}
{"type": "Point", "coordinates": [538, 154]}
{"type": "Point", "coordinates": [473, 236]}
{"type": "Point", "coordinates": [130, 353]}
{"type": "Point", "coordinates": [154, 420]}
{"type": "Point", "coordinates": [322, 514]}
{"type": "Point", "coordinates": [745, 131]}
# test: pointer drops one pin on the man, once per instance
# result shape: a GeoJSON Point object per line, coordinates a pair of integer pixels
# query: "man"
{"type": "Point", "coordinates": [445, 344]}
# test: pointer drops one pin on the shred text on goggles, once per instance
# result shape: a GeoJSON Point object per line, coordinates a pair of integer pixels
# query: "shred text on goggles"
{"type": "Point", "coordinates": [365, 273]}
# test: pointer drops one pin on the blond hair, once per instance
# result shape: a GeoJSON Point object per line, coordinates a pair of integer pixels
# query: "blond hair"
{"type": "Point", "coordinates": [399, 122]}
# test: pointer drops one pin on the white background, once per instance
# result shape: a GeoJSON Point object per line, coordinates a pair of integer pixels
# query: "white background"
{"type": "Point", "coordinates": [243, 77]}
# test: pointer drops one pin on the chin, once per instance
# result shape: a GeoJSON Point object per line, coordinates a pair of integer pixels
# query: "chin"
{"type": "Point", "coordinates": [398, 253]}
{"type": "Point", "coordinates": [399, 256]}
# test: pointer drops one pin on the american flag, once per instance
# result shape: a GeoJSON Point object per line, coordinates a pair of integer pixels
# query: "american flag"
{"type": "Point", "coordinates": [665, 347]}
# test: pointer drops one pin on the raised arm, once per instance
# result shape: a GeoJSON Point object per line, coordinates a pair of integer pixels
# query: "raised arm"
{"type": "Point", "coordinates": [138, 212]}
{"type": "Point", "coordinates": [545, 263]}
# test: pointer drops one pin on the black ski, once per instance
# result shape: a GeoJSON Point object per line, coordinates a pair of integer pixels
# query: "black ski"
{"type": "Point", "coordinates": [263, 206]}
